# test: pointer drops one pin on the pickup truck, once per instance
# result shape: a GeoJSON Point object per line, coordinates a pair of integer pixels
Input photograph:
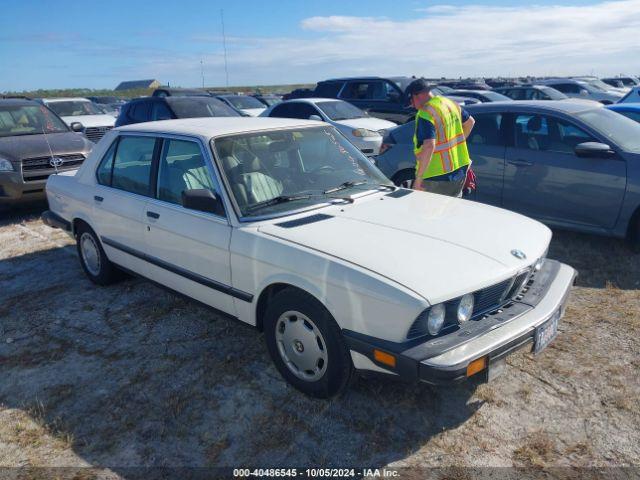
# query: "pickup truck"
{"type": "Point", "coordinates": [285, 225]}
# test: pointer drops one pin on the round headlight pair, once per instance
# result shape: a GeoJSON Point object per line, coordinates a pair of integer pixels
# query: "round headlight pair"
{"type": "Point", "coordinates": [438, 312]}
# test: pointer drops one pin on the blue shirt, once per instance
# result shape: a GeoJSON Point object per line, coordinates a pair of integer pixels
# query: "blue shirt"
{"type": "Point", "coordinates": [426, 130]}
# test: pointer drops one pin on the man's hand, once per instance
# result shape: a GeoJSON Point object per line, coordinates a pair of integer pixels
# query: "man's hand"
{"type": "Point", "coordinates": [417, 185]}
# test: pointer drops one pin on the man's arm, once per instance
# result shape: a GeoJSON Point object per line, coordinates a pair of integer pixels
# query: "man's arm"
{"type": "Point", "coordinates": [423, 159]}
{"type": "Point", "coordinates": [467, 126]}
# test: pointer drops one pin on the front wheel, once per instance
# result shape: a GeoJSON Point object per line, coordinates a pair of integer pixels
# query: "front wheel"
{"type": "Point", "coordinates": [306, 345]}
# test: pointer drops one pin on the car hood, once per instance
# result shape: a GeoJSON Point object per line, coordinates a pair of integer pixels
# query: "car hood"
{"type": "Point", "coordinates": [437, 246]}
{"type": "Point", "coordinates": [374, 124]}
{"type": "Point", "coordinates": [33, 146]}
{"type": "Point", "coordinates": [101, 120]}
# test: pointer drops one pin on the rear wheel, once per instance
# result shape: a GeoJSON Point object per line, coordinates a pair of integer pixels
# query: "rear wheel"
{"type": "Point", "coordinates": [93, 259]}
{"type": "Point", "coordinates": [306, 345]}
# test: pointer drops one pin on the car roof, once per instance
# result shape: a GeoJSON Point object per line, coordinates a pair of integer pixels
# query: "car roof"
{"type": "Point", "coordinates": [566, 106]}
{"type": "Point", "coordinates": [17, 101]}
{"type": "Point", "coordinates": [232, 95]}
{"type": "Point", "coordinates": [313, 100]}
{"type": "Point", "coordinates": [209, 127]}
{"type": "Point", "coordinates": [343, 79]}
{"type": "Point", "coordinates": [66, 99]}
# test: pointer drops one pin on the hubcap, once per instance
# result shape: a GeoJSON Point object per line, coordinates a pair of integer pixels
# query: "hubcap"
{"type": "Point", "coordinates": [90, 254]}
{"type": "Point", "coordinates": [301, 346]}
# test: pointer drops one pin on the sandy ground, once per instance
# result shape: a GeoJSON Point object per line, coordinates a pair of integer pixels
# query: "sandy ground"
{"type": "Point", "coordinates": [130, 375]}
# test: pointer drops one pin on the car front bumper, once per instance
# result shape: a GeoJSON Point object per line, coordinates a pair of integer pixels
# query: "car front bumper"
{"type": "Point", "coordinates": [14, 190]}
{"type": "Point", "coordinates": [511, 330]}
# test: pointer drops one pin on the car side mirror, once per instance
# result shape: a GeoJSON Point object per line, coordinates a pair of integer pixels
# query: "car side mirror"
{"type": "Point", "coordinates": [315, 117]}
{"type": "Point", "coordinates": [203, 200]}
{"type": "Point", "coordinates": [593, 150]}
{"type": "Point", "coordinates": [77, 127]}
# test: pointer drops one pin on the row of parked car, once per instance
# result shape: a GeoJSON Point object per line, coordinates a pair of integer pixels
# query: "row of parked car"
{"type": "Point", "coordinates": [528, 155]}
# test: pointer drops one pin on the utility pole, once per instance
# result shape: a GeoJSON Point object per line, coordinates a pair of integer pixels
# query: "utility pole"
{"type": "Point", "coordinates": [224, 48]}
{"type": "Point", "coordinates": [202, 72]}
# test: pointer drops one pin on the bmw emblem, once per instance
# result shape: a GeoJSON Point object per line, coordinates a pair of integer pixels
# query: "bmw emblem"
{"type": "Point", "coordinates": [56, 162]}
{"type": "Point", "coordinates": [519, 254]}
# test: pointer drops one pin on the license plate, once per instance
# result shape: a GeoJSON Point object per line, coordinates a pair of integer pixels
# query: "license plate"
{"type": "Point", "coordinates": [545, 333]}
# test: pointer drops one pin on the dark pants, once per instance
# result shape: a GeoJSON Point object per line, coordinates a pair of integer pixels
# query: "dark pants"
{"type": "Point", "coordinates": [451, 187]}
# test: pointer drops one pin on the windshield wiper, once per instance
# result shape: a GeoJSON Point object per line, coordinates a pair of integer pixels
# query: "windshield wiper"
{"type": "Point", "coordinates": [276, 200]}
{"type": "Point", "coordinates": [342, 186]}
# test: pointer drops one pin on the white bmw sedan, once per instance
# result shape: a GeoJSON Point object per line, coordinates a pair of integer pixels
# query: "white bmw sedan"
{"type": "Point", "coordinates": [356, 125]}
{"type": "Point", "coordinates": [285, 225]}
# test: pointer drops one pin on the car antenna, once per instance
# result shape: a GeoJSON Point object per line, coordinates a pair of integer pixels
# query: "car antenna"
{"type": "Point", "coordinates": [53, 161]}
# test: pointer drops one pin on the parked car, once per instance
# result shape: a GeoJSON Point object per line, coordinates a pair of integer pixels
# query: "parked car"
{"type": "Point", "coordinates": [567, 164]}
{"type": "Point", "coordinates": [600, 85]}
{"type": "Point", "coordinates": [179, 92]}
{"type": "Point", "coordinates": [363, 131]}
{"type": "Point", "coordinates": [380, 97]}
{"type": "Point", "coordinates": [266, 220]}
{"type": "Point", "coordinates": [531, 92]}
{"type": "Point", "coordinates": [149, 109]}
{"type": "Point", "coordinates": [244, 103]}
{"type": "Point", "coordinates": [34, 143]}
{"type": "Point", "coordinates": [81, 110]}
{"type": "Point", "coordinates": [299, 93]}
{"type": "Point", "coordinates": [469, 84]}
{"type": "Point", "coordinates": [268, 100]}
{"type": "Point", "coordinates": [482, 95]}
{"type": "Point", "coordinates": [629, 110]}
{"type": "Point", "coordinates": [633, 96]}
{"type": "Point", "coordinates": [582, 89]}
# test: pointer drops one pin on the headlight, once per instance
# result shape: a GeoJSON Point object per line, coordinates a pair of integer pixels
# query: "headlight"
{"type": "Point", "coordinates": [5, 165]}
{"type": "Point", "coordinates": [465, 308]}
{"type": "Point", "coordinates": [363, 132]}
{"type": "Point", "coordinates": [539, 264]}
{"type": "Point", "coordinates": [436, 319]}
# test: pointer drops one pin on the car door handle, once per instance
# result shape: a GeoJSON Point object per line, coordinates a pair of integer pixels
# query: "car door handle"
{"type": "Point", "coordinates": [98, 198]}
{"type": "Point", "coordinates": [153, 214]}
{"type": "Point", "coordinates": [520, 163]}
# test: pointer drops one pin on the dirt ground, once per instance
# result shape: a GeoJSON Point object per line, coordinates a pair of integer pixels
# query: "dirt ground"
{"type": "Point", "coordinates": [130, 375]}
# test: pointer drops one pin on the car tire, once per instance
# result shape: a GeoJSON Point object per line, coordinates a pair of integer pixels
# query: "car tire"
{"type": "Point", "coordinates": [404, 178]}
{"type": "Point", "coordinates": [306, 344]}
{"type": "Point", "coordinates": [94, 261]}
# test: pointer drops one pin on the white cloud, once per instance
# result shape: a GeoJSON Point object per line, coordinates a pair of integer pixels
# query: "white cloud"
{"type": "Point", "coordinates": [441, 40]}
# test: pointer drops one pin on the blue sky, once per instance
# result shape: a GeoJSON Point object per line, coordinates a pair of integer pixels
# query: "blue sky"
{"type": "Point", "coordinates": [56, 44]}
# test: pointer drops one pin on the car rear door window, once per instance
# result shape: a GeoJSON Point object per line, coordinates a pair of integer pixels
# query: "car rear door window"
{"type": "Point", "coordinates": [328, 89]}
{"type": "Point", "coordinates": [132, 164]}
{"type": "Point", "coordinates": [487, 130]}
{"type": "Point", "coordinates": [182, 167]}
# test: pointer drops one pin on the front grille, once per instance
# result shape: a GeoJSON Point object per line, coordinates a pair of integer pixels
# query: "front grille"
{"type": "Point", "coordinates": [39, 168]}
{"type": "Point", "coordinates": [519, 283]}
{"type": "Point", "coordinates": [491, 297]}
{"type": "Point", "coordinates": [96, 133]}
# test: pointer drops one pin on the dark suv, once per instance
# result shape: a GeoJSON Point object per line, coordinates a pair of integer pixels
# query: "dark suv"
{"type": "Point", "coordinates": [149, 109]}
{"type": "Point", "coordinates": [35, 143]}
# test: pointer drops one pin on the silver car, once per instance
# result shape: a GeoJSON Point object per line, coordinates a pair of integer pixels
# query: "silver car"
{"type": "Point", "coordinates": [575, 88]}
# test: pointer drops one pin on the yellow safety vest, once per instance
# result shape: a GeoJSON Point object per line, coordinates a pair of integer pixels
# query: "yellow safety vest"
{"type": "Point", "coordinates": [451, 151]}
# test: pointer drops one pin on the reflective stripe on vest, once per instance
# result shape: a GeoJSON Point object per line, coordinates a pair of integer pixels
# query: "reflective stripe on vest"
{"type": "Point", "coordinates": [450, 151]}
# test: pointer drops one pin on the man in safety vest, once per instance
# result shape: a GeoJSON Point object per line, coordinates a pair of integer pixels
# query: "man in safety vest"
{"type": "Point", "coordinates": [439, 141]}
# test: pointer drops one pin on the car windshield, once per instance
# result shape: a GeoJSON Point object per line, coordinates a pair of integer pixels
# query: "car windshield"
{"type": "Point", "coordinates": [340, 110]}
{"type": "Point", "coordinates": [621, 130]}
{"type": "Point", "coordinates": [271, 100]}
{"type": "Point", "coordinates": [276, 172]}
{"type": "Point", "coordinates": [600, 85]}
{"type": "Point", "coordinates": [28, 120]}
{"type": "Point", "coordinates": [72, 108]}
{"type": "Point", "coordinates": [243, 102]}
{"type": "Point", "coordinates": [192, 107]}
{"type": "Point", "coordinates": [553, 93]}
